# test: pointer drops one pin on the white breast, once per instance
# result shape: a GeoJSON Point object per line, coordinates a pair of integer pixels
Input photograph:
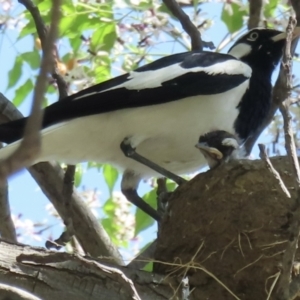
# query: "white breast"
{"type": "Point", "coordinates": [165, 133]}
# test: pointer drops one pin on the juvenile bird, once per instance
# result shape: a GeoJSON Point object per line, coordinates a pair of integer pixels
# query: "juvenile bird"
{"type": "Point", "coordinates": [219, 146]}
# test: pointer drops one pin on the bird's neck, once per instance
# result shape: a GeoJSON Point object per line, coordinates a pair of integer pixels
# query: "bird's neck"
{"type": "Point", "coordinates": [255, 104]}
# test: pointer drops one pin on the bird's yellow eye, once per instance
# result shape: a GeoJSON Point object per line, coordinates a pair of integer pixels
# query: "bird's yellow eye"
{"type": "Point", "coordinates": [253, 36]}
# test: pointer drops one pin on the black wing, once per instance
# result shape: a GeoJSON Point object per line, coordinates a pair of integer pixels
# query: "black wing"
{"type": "Point", "coordinates": [168, 79]}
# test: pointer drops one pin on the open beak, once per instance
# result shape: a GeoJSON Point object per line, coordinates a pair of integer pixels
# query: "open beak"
{"type": "Point", "coordinates": [282, 35]}
{"type": "Point", "coordinates": [210, 151]}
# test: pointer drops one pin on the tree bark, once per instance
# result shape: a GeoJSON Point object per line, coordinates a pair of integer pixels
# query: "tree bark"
{"type": "Point", "coordinates": [225, 231]}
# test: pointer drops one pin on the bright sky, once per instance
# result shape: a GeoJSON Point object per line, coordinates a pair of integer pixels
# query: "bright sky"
{"type": "Point", "coordinates": [24, 194]}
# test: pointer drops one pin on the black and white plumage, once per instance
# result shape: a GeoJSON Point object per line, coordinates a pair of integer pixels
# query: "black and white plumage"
{"type": "Point", "coordinates": [219, 146]}
{"type": "Point", "coordinates": [161, 108]}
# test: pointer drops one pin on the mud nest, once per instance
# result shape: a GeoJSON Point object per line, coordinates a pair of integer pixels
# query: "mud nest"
{"type": "Point", "coordinates": [229, 224]}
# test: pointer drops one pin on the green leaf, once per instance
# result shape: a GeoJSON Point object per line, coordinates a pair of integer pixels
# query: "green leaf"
{"type": "Point", "coordinates": [78, 175]}
{"type": "Point", "coordinates": [15, 73]}
{"type": "Point", "coordinates": [148, 267]}
{"type": "Point", "coordinates": [111, 176]}
{"type": "Point", "coordinates": [142, 220]}
{"type": "Point", "coordinates": [109, 207]}
{"type": "Point", "coordinates": [112, 229]}
{"type": "Point", "coordinates": [22, 92]}
{"type": "Point", "coordinates": [32, 58]}
{"type": "Point", "coordinates": [270, 8]}
{"type": "Point", "coordinates": [232, 16]}
{"type": "Point", "coordinates": [104, 37]}
{"type": "Point", "coordinates": [102, 70]}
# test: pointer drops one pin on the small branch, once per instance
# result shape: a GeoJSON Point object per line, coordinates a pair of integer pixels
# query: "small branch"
{"type": "Point", "coordinates": [264, 156]}
{"type": "Point", "coordinates": [283, 291]}
{"type": "Point", "coordinates": [186, 23]}
{"type": "Point", "coordinates": [255, 13]}
{"type": "Point", "coordinates": [43, 36]}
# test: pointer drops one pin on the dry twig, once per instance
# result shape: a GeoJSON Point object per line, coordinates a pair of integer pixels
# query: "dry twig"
{"type": "Point", "coordinates": [264, 156]}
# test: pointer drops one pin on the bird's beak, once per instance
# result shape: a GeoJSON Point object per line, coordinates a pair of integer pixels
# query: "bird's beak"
{"type": "Point", "coordinates": [282, 35]}
{"type": "Point", "coordinates": [212, 152]}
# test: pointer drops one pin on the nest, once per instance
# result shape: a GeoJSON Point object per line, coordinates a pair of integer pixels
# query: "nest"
{"type": "Point", "coordinates": [227, 230]}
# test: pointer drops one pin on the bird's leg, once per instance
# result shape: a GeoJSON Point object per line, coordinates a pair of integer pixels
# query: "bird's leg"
{"type": "Point", "coordinates": [163, 195]}
{"type": "Point", "coordinates": [130, 152]}
{"type": "Point", "coordinates": [129, 184]}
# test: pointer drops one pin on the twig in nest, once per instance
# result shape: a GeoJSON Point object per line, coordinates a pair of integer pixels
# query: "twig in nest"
{"type": "Point", "coordinates": [264, 156]}
{"type": "Point", "coordinates": [273, 284]}
{"type": "Point", "coordinates": [196, 266]}
{"type": "Point", "coordinates": [247, 266]}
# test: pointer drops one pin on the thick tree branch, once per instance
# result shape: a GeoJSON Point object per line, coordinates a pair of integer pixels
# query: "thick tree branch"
{"type": "Point", "coordinates": [8, 292]}
{"type": "Point", "coordinates": [51, 275]}
{"type": "Point", "coordinates": [255, 13]}
{"type": "Point", "coordinates": [7, 228]}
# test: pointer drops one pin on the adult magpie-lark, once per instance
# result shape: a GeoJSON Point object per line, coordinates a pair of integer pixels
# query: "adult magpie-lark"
{"type": "Point", "coordinates": [161, 109]}
{"type": "Point", "coordinates": [219, 146]}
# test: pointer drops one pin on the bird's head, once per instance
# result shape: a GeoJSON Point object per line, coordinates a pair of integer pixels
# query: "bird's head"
{"type": "Point", "coordinates": [261, 47]}
{"type": "Point", "coordinates": [218, 146]}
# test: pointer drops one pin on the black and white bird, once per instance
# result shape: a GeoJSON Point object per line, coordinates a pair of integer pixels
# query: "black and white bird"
{"type": "Point", "coordinates": [219, 146]}
{"type": "Point", "coordinates": [161, 109]}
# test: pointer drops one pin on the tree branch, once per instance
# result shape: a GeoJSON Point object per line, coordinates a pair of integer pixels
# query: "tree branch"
{"type": "Point", "coordinates": [42, 33]}
{"type": "Point", "coordinates": [255, 13]}
{"type": "Point", "coordinates": [283, 291]}
{"type": "Point", "coordinates": [8, 292]}
{"type": "Point", "coordinates": [186, 23]}
{"type": "Point", "coordinates": [7, 228]}
{"type": "Point", "coordinates": [30, 145]}
{"type": "Point", "coordinates": [53, 275]}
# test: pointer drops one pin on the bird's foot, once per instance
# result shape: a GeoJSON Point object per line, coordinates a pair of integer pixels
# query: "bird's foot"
{"type": "Point", "coordinates": [130, 152]}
